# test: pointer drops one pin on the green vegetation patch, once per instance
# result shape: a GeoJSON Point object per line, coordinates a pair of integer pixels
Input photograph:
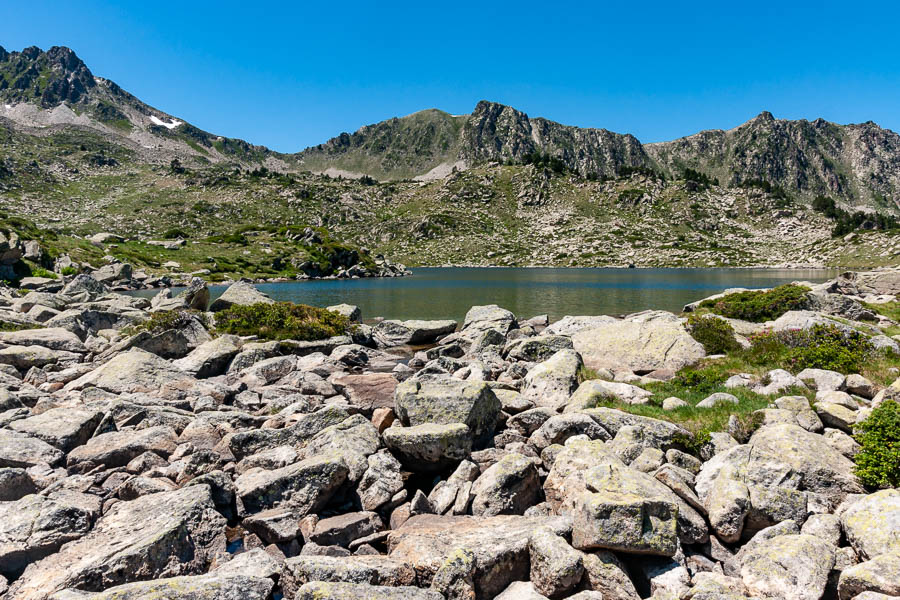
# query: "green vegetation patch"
{"type": "Point", "coordinates": [878, 461]}
{"type": "Point", "coordinates": [716, 335]}
{"type": "Point", "coordinates": [820, 347]}
{"type": "Point", "coordinates": [7, 326]}
{"type": "Point", "coordinates": [282, 321]}
{"type": "Point", "coordinates": [759, 306]}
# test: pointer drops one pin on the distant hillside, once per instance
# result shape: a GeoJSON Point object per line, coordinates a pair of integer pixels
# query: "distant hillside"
{"type": "Point", "coordinates": [79, 155]}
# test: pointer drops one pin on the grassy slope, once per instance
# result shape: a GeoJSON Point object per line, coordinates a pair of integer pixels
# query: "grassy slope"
{"type": "Point", "coordinates": [503, 215]}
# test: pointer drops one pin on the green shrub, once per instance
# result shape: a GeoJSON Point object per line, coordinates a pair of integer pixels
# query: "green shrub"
{"type": "Point", "coordinates": [716, 335]}
{"type": "Point", "coordinates": [878, 461]}
{"type": "Point", "coordinates": [281, 321]}
{"type": "Point", "coordinates": [174, 234]}
{"type": "Point", "coordinates": [759, 306]}
{"type": "Point", "coordinates": [699, 380]}
{"type": "Point", "coordinates": [42, 272]}
{"type": "Point", "coordinates": [69, 271]}
{"type": "Point", "coordinates": [820, 347]}
{"type": "Point", "coordinates": [7, 326]}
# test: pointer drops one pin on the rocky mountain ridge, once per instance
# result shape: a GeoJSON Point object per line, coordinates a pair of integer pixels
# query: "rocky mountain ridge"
{"type": "Point", "coordinates": [858, 164]}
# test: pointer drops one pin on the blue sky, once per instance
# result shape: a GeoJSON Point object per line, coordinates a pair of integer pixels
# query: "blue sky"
{"type": "Point", "coordinates": [290, 75]}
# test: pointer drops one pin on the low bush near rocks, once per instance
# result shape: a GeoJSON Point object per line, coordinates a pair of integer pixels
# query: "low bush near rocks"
{"type": "Point", "coordinates": [282, 321]}
{"type": "Point", "coordinates": [716, 335]}
{"type": "Point", "coordinates": [759, 306]}
{"type": "Point", "coordinates": [820, 347]}
{"type": "Point", "coordinates": [878, 462]}
{"type": "Point", "coordinates": [7, 326]}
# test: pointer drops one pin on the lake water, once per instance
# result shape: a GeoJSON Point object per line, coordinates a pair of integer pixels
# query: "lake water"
{"type": "Point", "coordinates": [447, 293]}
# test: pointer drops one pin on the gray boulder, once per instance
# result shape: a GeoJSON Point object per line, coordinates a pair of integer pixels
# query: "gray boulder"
{"type": "Point", "coordinates": [151, 537]}
{"type": "Point", "coordinates": [789, 567]}
{"type": "Point", "coordinates": [399, 333]}
{"type": "Point", "coordinates": [241, 293]}
{"type": "Point", "coordinates": [446, 401]}
{"type": "Point", "coordinates": [647, 345]}
{"type": "Point", "coordinates": [509, 486]}
{"type": "Point", "coordinates": [430, 446]}
{"type": "Point", "coordinates": [552, 382]}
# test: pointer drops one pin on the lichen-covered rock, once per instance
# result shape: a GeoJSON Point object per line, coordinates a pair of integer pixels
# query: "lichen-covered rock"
{"type": "Point", "coordinates": [615, 515]}
{"type": "Point", "coordinates": [880, 575]}
{"type": "Point", "coordinates": [506, 488]}
{"type": "Point", "coordinates": [558, 428]}
{"type": "Point", "coordinates": [210, 358]}
{"type": "Point", "coordinates": [537, 348]}
{"type": "Point", "coordinates": [34, 527]}
{"type": "Point", "coordinates": [23, 451]}
{"type": "Point", "coordinates": [789, 567]}
{"type": "Point", "coordinates": [154, 536]}
{"type": "Point", "coordinates": [212, 586]}
{"type": "Point", "coordinates": [304, 486]}
{"type": "Point", "coordinates": [371, 570]}
{"type": "Point", "coordinates": [319, 590]}
{"type": "Point", "coordinates": [823, 469]}
{"type": "Point", "coordinates": [63, 427]}
{"type": "Point", "coordinates": [552, 382]}
{"type": "Point", "coordinates": [605, 573]}
{"type": "Point", "coordinates": [489, 316]}
{"type": "Point", "coordinates": [380, 481]}
{"type": "Point", "coordinates": [556, 567]}
{"type": "Point", "coordinates": [455, 578]}
{"type": "Point", "coordinates": [398, 333]}
{"type": "Point", "coordinates": [500, 546]}
{"type": "Point", "coordinates": [872, 524]}
{"type": "Point", "coordinates": [448, 401]}
{"type": "Point", "coordinates": [118, 448]}
{"type": "Point", "coordinates": [135, 371]}
{"type": "Point", "coordinates": [429, 447]}
{"type": "Point", "coordinates": [241, 293]}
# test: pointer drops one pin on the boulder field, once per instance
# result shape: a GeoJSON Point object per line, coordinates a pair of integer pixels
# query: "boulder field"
{"type": "Point", "coordinates": [493, 464]}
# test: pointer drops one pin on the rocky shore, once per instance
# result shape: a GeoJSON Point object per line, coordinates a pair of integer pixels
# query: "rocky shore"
{"type": "Point", "coordinates": [503, 457]}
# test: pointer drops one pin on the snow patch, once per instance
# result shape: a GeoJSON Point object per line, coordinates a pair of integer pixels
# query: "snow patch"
{"type": "Point", "coordinates": [157, 121]}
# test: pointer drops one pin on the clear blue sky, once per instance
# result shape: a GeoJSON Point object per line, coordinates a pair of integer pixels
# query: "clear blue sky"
{"type": "Point", "coordinates": [290, 75]}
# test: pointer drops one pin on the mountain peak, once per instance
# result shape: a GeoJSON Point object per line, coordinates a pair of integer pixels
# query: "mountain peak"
{"type": "Point", "coordinates": [50, 77]}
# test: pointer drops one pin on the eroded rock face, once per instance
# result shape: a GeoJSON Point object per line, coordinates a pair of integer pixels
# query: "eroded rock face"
{"type": "Point", "coordinates": [157, 535]}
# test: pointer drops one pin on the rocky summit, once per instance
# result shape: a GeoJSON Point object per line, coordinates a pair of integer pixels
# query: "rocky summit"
{"type": "Point", "coordinates": [741, 449]}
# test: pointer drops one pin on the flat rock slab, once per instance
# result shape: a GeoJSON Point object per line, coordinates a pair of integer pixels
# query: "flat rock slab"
{"type": "Point", "coordinates": [371, 570]}
{"type": "Point", "coordinates": [200, 587]}
{"type": "Point", "coordinates": [638, 346]}
{"type": "Point", "coordinates": [305, 486]}
{"type": "Point", "coordinates": [54, 338]}
{"type": "Point", "coordinates": [21, 450]}
{"type": "Point", "coordinates": [398, 333]}
{"type": "Point", "coordinates": [64, 427]}
{"type": "Point", "coordinates": [320, 590]}
{"type": "Point", "coordinates": [118, 448]}
{"type": "Point", "coordinates": [500, 545]}
{"type": "Point", "coordinates": [135, 371]}
{"type": "Point", "coordinates": [154, 536]}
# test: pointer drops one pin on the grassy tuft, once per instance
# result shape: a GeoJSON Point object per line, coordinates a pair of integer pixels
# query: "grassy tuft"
{"type": "Point", "coordinates": [759, 306]}
{"type": "Point", "coordinates": [282, 321]}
